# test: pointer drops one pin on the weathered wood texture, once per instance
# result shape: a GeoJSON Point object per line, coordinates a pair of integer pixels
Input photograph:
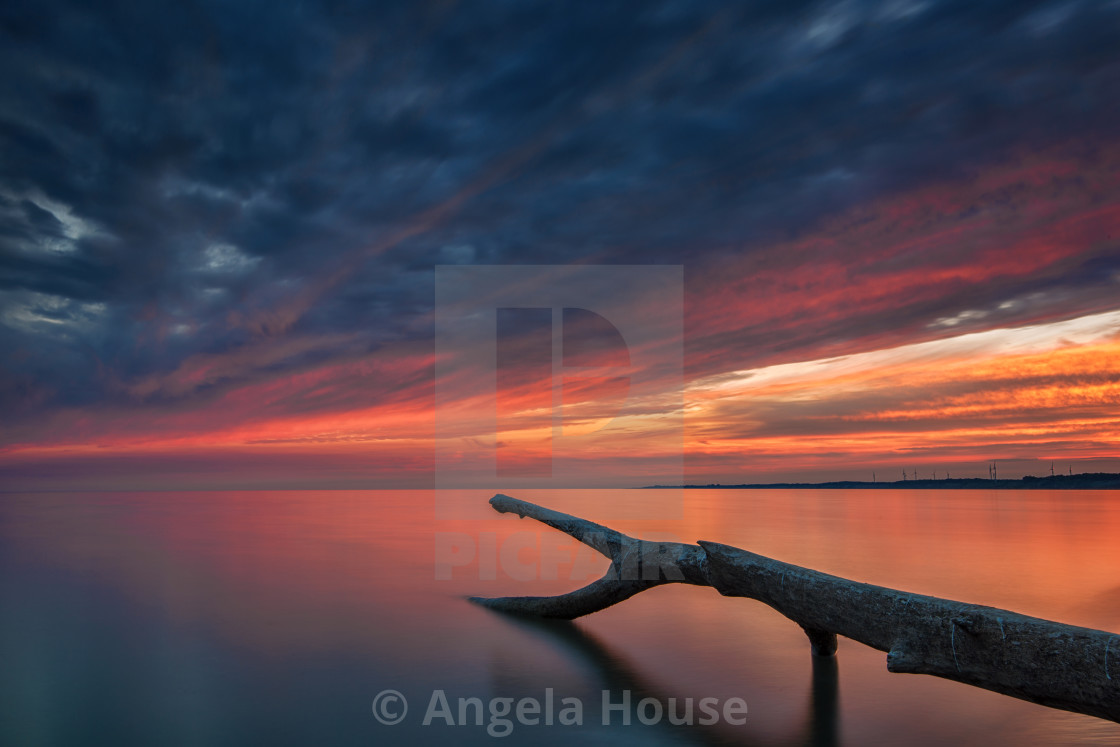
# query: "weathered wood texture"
{"type": "Point", "coordinates": [1062, 666]}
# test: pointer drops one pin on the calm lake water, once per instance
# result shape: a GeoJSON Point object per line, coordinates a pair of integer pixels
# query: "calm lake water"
{"type": "Point", "coordinates": [277, 617]}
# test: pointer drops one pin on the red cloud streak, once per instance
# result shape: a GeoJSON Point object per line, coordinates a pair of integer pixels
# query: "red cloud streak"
{"type": "Point", "coordinates": [924, 265]}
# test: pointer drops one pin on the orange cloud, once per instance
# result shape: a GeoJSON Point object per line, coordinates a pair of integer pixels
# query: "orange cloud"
{"type": "Point", "coordinates": [872, 277]}
{"type": "Point", "coordinates": [1046, 392]}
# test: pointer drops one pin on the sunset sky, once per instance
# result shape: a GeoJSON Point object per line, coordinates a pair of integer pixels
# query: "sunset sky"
{"type": "Point", "coordinates": [897, 223]}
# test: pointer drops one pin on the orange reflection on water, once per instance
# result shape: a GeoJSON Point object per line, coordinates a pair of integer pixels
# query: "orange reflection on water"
{"type": "Point", "coordinates": [348, 573]}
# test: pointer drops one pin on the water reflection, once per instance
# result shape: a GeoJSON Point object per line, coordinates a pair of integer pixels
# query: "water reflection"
{"type": "Point", "coordinates": [617, 673]}
{"type": "Point", "coordinates": [824, 702]}
{"type": "Point", "coordinates": [229, 618]}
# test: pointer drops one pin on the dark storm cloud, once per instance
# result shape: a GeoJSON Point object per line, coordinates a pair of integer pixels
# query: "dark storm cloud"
{"type": "Point", "coordinates": [180, 179]}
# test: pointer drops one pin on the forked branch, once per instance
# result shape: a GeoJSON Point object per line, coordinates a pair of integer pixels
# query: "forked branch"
{"type": "Point", "coordinates": [636, 565]}
{"type": "Point", "coordinates": [1062, 666]}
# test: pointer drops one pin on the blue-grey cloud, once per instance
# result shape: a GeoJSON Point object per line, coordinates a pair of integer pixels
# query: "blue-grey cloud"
{"type": "Point", "coordinates": [190, 178]}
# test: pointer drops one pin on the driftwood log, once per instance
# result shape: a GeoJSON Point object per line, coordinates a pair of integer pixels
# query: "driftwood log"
{"type": "Point", "coordinates": [1053, 664]}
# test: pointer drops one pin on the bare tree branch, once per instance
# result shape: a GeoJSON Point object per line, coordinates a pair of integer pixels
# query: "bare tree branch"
{"type": "Point", "coordinates": [636, 565]}
{"type": "Point", "coordinates": [1050, 663]}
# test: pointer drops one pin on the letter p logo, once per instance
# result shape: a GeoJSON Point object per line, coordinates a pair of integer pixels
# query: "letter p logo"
{"type": "Point", "coordinates": [593, 376]}
{"type": "Point", "coordinates": [558, 376]}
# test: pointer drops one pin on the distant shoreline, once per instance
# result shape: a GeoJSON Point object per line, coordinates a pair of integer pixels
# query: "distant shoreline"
{"type": "Point", "coordinates": [1085, 481]}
